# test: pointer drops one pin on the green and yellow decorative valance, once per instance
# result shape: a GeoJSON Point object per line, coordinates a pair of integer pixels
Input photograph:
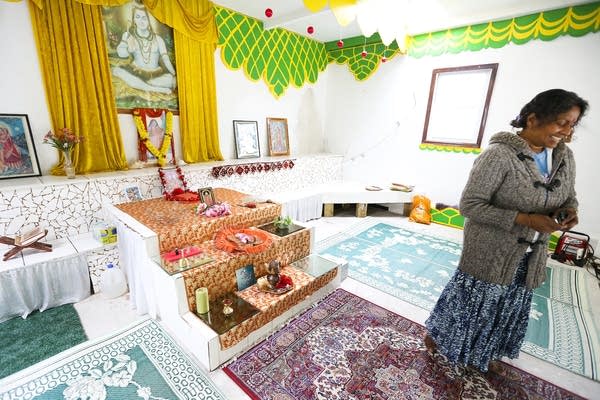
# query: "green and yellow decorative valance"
{"type": "Point", "coordinates": [548, 25]}
{"type": "Point", "coordinates": [281, 58]}
{"type": "Point", "coordinates": [278, 56]}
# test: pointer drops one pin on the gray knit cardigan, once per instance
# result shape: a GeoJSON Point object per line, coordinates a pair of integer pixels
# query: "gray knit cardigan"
{"type": "Point", "coordinates": [501, 184]}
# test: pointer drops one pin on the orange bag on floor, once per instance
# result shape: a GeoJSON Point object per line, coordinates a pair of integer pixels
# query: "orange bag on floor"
{"type": "Point", "coordinates": [421, 210]}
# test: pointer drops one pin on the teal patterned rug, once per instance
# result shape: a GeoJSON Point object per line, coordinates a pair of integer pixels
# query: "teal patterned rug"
{"type": "Point", "coordinates": [415, 267]}
{"type": "Point", "coordinates": [142, 362]}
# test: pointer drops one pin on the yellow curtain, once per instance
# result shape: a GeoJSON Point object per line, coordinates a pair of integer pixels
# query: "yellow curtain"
{"type": "Point", "coordinates": [72, 53]}
{"type": "Point", "coordinates": [197, 91]}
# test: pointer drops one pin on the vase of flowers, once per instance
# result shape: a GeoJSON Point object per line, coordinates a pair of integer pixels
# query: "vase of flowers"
{"type": "Point", "coordinates": [64, 140]}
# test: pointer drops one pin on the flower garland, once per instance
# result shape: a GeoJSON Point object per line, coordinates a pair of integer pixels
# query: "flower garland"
{"type": "Point", "coordinates": [160, 154]}
{"type": "Point", "coordinates": [176, 191]}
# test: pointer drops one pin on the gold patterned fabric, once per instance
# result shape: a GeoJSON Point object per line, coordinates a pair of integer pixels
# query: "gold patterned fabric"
{"type": "Point", "coordinates": [272, 305]}
{"type": "Point", "coordinates": [219, 276]}
{"type": "Point", "coordinates": [177, 225]}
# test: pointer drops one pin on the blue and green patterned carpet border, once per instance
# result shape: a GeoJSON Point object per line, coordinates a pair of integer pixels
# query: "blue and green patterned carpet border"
{"type": "Point", "coordinates": [415, 267]}
{"type": "Point", "coordinates": [142, 361]}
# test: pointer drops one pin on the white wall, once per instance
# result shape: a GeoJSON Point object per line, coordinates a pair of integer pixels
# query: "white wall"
{"type": "Point", "coordinates": [378, 124]}
{"type": "Point", "coordinates": [238, 98]}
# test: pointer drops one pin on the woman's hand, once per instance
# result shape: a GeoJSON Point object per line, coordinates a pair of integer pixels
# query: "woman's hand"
{"type": "Point", "coordinates": [570, 219]}
{"type": "Point", "coordinates": [539, 222]}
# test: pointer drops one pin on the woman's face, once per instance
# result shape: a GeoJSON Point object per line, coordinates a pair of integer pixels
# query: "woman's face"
{"type": "Point", "coordinates": [140, 18]}
{"type": "Point", "coordinates": [550, 134]}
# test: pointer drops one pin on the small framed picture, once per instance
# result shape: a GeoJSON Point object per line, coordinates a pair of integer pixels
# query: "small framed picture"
{"type": "Point", "coordinates": [245, 277]}
{"type": "Point", "coordinates": [18, 158]}
{"type": "Point", "coordinates": [207, 196]}
{"type": "Point", "coordinates": [246, 139]}
{"type": "Point", "coordinates": [277, 133]}
{"type": "Point", "coordinates": [132, 193]}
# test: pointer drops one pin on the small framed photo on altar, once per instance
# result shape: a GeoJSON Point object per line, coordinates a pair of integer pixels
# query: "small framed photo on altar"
{"type": "Point", "coordinates": [246, 139]}
{"type": "Point", "coordinates": [132, 193]}
{"type": "Point", "coordinates": [207, 196]}
{"type": "Point", "coordinates": [245, 277]}
{"type": "Point", "coordinates": [277, 133]}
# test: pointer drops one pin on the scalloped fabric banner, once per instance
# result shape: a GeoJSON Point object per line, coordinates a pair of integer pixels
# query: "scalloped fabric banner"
{"type": "Point", "coordinates": [277, 56]}
{"type": "Point", "coordinates": [362, 67]}
{"type": "Point", "coordinates": [282, 58]}
{"type": "Point", "coordinates": [548, 25]}
{"type": "Point", "coordinates": [449, 148]}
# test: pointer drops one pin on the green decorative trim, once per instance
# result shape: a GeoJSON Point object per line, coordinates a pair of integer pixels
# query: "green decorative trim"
{"type": "Point", "coordinates": [449, 148]}
{"type": "Point", "coordinates": [449, 217]}
{"type": "Point", "coordinates": [281, 58]}
{"type": "Point", "coordinates": [277, 56]}
{"type": "Point", "coordinates": [549, 25]}
{"type": "Point", "coordinates": [574, 21]}
{"type": "Point", "coordinates": [361, 67]}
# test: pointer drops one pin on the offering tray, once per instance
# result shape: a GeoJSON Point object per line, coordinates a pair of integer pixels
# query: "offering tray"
{"type": "Point", "coordinates": [264, 286]}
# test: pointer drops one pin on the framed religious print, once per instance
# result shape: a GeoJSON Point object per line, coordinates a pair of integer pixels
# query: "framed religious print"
{"type": "Point", "coordinates": [18, 158]}
{"type": "Point", "coordinates": [459, 98]}
{"type": "Point", "coordinates": [207, 196]}
{"type": "Point", "coordinates": [137, 43]}
{"type": "Point", "coordinates": [246, 139]}
{"type": "Point", "coordinates": [277, 133]}
{"type": "Point", "coordinates": [155, 133]}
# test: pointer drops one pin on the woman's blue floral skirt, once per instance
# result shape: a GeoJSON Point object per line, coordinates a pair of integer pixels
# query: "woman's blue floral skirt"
{"type": "Point", "coordinates": [474, 322]}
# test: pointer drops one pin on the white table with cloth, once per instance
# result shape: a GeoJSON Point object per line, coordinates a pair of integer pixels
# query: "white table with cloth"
{"type": "Point", "coordinates": [34, 280]}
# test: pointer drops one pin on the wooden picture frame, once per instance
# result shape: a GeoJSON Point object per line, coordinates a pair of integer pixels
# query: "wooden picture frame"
{"type": "Point", "coordinates": [246, 139]}
{"type": "Point", "coordinates": [277, 133]}
{"type": "Point", "coordinates": [457, 109]}
{"type": "Point", "coordinates": [18, 158]}
{"type": "Point", "coordinates": [207, 196]}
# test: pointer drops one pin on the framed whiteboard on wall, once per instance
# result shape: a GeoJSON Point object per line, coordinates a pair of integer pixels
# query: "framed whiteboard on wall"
{"type": "Point", "coordinates": [457, 109]}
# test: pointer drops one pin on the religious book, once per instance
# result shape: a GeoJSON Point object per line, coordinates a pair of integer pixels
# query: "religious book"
{"type": "Point", "coordinates": [30, 237]}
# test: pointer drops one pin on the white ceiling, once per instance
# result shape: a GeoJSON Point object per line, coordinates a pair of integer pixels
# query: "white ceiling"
{"type": "Point", "coordinates": [422, 16]}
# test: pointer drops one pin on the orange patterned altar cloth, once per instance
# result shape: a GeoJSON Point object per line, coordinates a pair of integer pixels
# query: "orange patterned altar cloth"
{"type": "Point", "coordinates": [219, 276]}
{"type": "Point", "coordinates": [272, 305]}
{"type": "Point", "coordinates": [177, 225]}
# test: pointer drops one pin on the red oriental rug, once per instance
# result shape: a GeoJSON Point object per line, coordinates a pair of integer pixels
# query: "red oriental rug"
{"type": "Point", "coordinates": [349, 348]}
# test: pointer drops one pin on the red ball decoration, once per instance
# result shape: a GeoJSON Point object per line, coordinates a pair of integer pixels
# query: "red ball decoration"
{"type": "Point", "coordinates": [340, 43]}
{"type": "Point", "coordinates": [269, 13]}
{"type": "Point", "coordinates": [310, 30]}
{"type": "Point", "coordinates": [383, 59]}
{"type": "Point", "coordinates": [363, 54]}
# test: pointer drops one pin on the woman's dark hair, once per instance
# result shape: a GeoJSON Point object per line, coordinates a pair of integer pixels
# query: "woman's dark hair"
{"type": "Point", "coordinates": [548, 105]}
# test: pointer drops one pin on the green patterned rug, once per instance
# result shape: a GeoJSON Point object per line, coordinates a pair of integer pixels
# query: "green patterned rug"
{"type": "Point", "coordinates": [141, 362]}
{"type": "Point", "coordinates": [24, 342]}
{"type": "Point", "coordinates": [415, 267]}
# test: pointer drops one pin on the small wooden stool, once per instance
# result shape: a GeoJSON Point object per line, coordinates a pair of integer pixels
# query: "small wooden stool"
{"type": "Point", "coordinates": [18, 248]}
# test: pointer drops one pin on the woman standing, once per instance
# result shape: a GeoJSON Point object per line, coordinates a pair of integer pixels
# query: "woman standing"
{"type": "Point", "coordinates": [521, 189]}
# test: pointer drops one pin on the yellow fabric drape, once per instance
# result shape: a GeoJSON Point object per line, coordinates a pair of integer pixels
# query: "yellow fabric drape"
{"type": "Point", "coordinates": [72, 52]}
{"type": "Point", "coordinates": [197, 91]}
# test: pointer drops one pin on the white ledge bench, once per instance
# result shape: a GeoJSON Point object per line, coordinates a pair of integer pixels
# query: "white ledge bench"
{"type": "Point", "coordinates": [319, 200]}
